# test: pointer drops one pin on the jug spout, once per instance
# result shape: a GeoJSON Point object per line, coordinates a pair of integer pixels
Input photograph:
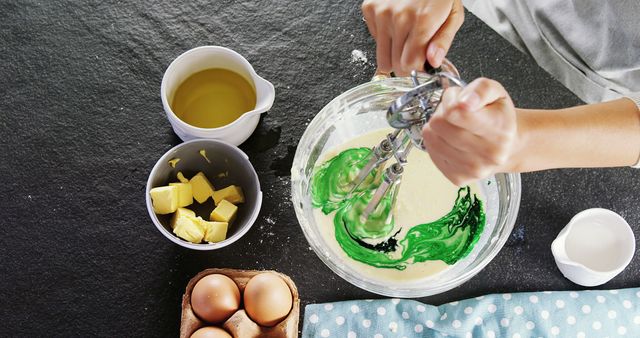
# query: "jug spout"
{"type": "Point", "coordinates": [559, 251]}
{"type": "Point", "coordinates": [265, 94]}
{"type": "Point", "coordinates": [559, 246]}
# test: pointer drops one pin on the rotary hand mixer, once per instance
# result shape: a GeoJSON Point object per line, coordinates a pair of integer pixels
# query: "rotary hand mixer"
{"type": "Point", "coordinates": [407, 114]}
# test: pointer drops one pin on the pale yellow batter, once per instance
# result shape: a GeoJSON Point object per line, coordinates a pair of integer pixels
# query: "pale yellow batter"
{"type": "Point", "coordinates": [425, 195]}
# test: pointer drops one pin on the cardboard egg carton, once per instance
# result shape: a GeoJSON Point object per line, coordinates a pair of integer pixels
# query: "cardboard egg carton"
{"type": "Point", "coordinates": [240, 325]}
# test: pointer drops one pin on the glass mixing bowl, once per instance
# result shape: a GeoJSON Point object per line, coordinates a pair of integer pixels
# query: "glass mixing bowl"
{"type": "Point", "coordinates": [360, 111]}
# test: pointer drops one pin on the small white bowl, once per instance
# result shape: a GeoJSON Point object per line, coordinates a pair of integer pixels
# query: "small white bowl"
{"type": "Point", "coordinates": [225, 158]}
{"type": "Point", "coordinates": [594, 247]}
{"type": "Point", "coordinates": [206, 57]}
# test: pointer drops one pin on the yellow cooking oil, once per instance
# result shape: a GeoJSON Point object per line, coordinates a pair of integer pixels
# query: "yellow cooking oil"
{"type": "Point", "coordinates": [213, 98]}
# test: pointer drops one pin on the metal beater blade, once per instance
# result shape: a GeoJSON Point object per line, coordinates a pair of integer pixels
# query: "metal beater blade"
{"type": "Point", "coordinates": [407, 114]}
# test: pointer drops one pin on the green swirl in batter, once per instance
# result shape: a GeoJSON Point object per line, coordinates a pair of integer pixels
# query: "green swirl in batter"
{"type": "Point", "coordinates": [450, 238]}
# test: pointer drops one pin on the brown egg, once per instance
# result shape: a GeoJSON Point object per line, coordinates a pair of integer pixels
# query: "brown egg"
{"type": "Point", "coordinates": [215, 298]}
{"type": "Point", "coordinates": [267, 299]}
{"type": "Point", "coordinates": [210, 332]}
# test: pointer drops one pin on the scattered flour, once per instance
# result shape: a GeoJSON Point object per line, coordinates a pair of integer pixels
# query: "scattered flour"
{"type": "Point", "coordinates": [358, 56]}
{"type": "Point", "coordinates": [270, 220]}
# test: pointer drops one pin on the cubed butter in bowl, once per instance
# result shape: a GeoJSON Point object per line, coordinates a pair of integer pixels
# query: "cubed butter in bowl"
{"type": "Point", "coordinates": [164, 199]}
{"type": "Point", "coordinates": [184, 204]}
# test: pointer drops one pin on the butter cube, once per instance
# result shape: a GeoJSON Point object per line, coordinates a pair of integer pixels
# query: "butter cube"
{"type": "Point", "coordinates": [201, 187]}
{"type": "Point", "coordinates": [224, 212]}
{"type": "Point", "coordinates": [185, 196]}
{"type": "Point", "coordinates": [189, 229]}
{"type": "Point", "coordinates": [181, 212]}
{"type": "Point", "coordinates": [165, 199]}
{"type": "Point", "coordinates": [231, 193]}
{"type": "Point", "coordinates": [214, 231]}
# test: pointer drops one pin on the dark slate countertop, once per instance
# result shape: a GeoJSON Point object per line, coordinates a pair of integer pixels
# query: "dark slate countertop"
{"type": "Point", "coordinates": [82, 125]}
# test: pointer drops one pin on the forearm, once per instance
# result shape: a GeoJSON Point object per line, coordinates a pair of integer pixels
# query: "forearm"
{"type": "Point", "coordinates": [597, 135]}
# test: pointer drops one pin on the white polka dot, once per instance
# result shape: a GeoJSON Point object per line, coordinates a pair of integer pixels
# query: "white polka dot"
{"type": "Point", "coordinates": [544, 314]}
{"type": "Point", "coordinates": [444, 316]}
{"type": "Point", "coordinates": [355, 309]}
{"type": "Point", "coordinates": [377, 335]}
{"type": "Point", "coordinates": [368, 300]}
{"type": "Point", "coordinates": [366, 323]}
{"type": "Point", "coordinates": [418, 328]}
{"type": "Point", "coordinates": [491, 308]}
{"type": "Point", "coordinates": [533, 299]}
{"type": "Point", "coordinates": [506, 296]}
{"type": "Point", "coordinates": [405, 315]}
{"type": "Point", "coordinates": [516, 335]}
{"type": "Point", "coordinates": [381, 311]}
{"type": "Point", "coordinates": [314, 318]}
{"type": "Point", "coordinates": [555, 330]}
{"type": "Point", "coordinates": [627, 304]}
{"type": "Point", "coordinates": [586, 309]}
{"type": "Point", "coordinates": [456, 323]}
{"type": "Point", "coordinates": [395, 301]}
{"type": "Point", "coordinates": [559, 303]}
{"type": "Point", "coordinates": [571, 320]}
{"type": "Point", "coordinates": [636, 320]}
{"type": "Point", "coordinates": [421, 308]}
{"type": "Point", "coordinates": [352, 334]}
{"type": "Point", "coordinates": [596, 325]}
{"type": "Point", "coordinates": [393, 326]}
{"type": "Point", "coordinates": [638, 294]}
{"type": "Point", "coordinates": [573, 294]}
{"type": "Point", "coordinates": [547, 292]}
{"type": "Point", "coordinates": [325, 333]}
{"type": "Point", "coordinates": [600, 299]}
{"type": "Point", "coordinates": [468, 310]}
{"type": "Point", "coordinates": [339, 320]}
{"type": "Point", "coordinates": [479, 321]}
{"type": "Point", "coordinates": [518, 310]}
{"type": "Point", "coordinates": [453, 303]}
{"type": "Point", "coordinates": [491, 334]}
{"type": "Point", "coordinates": [429, 324]}
{"type": "Point", "coordinates": [328, 307]}
{"type": "Point", "coordinates": [468, 335]}
{"type": "Point", "coordinates": [504, 322]}
{"type": "Point", "coordinates": [479, 297]}
{"type": "Point", "coordinates": [581, 335]}
{"type": "Point", "coordinates": [622, 330]}
{"type": "Point", "coordinates": [612, 314]}
{"type": "Point", "coordinates": [530, 325]}
{"type": "Point", "coordinates": [615, 292]}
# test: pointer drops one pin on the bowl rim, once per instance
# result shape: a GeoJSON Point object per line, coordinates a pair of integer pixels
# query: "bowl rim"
{"type": "Point", "coordinates": [377, 287]}
{"type": "Point", "coordinates": [208, 246]}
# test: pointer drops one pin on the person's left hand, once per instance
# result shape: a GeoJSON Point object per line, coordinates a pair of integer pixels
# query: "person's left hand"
{"type": "Point", "coordinates": [410, 32]}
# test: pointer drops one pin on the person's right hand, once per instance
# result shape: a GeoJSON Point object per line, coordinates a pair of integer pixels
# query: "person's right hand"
{"type": "Point", "coordinates": [474, 132]}
{"type": "Point", "coordinates": [409, 32]}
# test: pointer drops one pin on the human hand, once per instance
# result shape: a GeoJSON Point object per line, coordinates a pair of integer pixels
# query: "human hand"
{"type": "Point", "coordinates": [408, 32]}
{"type": "Point", "coordinates": [473, 132]}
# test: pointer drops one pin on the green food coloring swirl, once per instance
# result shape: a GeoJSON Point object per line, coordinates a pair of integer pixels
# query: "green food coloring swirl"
{"type": "Point", "coordinates": [450, 238]}
{"type": "Point", "coordinates": [333, 181]}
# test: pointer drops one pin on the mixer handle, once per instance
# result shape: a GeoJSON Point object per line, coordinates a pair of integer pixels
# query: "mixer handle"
{"type": "Point", "coordinates": [411, 111]}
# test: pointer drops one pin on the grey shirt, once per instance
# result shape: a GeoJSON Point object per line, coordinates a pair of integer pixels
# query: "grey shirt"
{"type": "Point", "coordinates": [591, 46]}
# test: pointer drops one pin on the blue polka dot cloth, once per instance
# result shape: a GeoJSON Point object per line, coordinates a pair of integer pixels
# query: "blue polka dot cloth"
{"type": "Point", "coordinates": [581, 314]}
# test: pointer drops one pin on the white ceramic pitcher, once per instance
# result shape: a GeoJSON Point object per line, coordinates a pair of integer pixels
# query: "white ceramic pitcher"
{"type": "Point", "coordinates": [205, 57]}
{"type": "Point", "coordinates": [594, 247]}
